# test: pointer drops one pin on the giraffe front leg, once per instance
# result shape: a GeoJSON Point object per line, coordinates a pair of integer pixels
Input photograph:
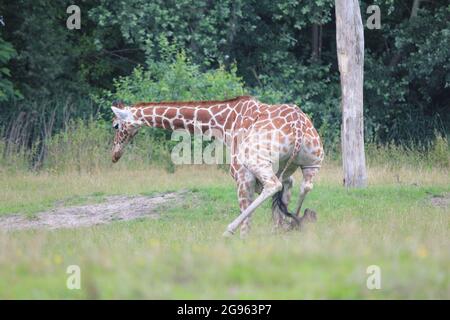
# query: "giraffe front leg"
{"type": "Point", "coordinates": [246, 184]}
{"type": "Point", "coordinates": [245, 194]}
{"type": "Point", "coordinates": [267, 193]}
{"type": "Point", "coordinates": [271, 186]}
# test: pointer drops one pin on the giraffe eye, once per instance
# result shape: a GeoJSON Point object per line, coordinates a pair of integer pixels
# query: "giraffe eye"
{"type": "Point", "coordinates": [116, 126]}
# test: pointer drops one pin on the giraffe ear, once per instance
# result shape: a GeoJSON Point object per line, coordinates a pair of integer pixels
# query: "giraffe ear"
{"type": "Point", "coordinates": [122, 114]}
{"type": "Point", "coordinates": [118, 104]}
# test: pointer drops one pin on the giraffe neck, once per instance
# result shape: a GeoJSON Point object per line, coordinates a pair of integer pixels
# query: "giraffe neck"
{"type": "Point", "coordinates": [196, 117]}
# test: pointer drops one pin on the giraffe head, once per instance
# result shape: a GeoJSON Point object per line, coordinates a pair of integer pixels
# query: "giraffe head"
{"type": "Point", "coordinates": [126, 126]}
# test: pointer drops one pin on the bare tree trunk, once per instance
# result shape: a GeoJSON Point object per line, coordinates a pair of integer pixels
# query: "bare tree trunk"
{"type": "Point", "coordinates": [414, 9]}
{"type": "Point", "coordinates": [315, 42]}
{"type": "Point", "coordinates": [350, 50]}
{"type": "Point", "coordinates": [47, 123]}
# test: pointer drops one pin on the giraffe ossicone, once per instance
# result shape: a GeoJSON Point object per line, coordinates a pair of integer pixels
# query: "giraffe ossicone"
{"type": "Point", "coordinates": [252, 130]}
{"type": "Point", "coordinates": [123, 114]}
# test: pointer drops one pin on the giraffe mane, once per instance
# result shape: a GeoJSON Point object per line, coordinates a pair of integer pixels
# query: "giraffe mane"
{"type": "Point", "coordinates": [193, 103]}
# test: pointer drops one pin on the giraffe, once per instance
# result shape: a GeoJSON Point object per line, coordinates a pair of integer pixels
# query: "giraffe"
{"type": "Point", "coordinates": [268, 143]}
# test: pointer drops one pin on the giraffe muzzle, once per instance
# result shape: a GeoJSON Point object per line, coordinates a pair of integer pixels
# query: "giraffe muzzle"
{"type": "Point", "coordinates": [116, 154]}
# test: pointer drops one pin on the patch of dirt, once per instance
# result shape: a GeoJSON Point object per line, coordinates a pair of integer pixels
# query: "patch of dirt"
{"type": "Point", "coordinates": [442, 201]}
{"type": "Point", "coordinates": [114, 208]}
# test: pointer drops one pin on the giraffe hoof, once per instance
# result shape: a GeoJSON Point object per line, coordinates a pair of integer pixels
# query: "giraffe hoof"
{"type": "Point", "coordinates": [309, 215]}
{"type": "Point", "coordinates": [227, 234]}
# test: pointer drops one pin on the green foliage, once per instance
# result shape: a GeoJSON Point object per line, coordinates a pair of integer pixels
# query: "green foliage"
{"type": "Point", "coordinates": [85, 146]}
{"type": "Point", "coordinates": [179, 79]}
{"type": "Point", "coordinates": [204, 28]}
{"type": "Point", "coordinates": [7, 52]}
{"type": "Point", "coordinates": [434, 155]}
{"type": "Point", "coordinates": [407, 82]}
{"type": "Point", "coordinates": [53, 60]}
{"type": "Point", "coordinates": [15, 158]}
{"type": "Point", "coordinates": [82, 146]}
{"type": "Point", "coordinates": [284, 51]}
{"type": "Point", "coordinates": [440, 152]}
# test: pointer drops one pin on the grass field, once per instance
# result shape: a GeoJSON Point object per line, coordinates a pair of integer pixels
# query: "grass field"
{"type": "Point", "coordinates": [391, 224]}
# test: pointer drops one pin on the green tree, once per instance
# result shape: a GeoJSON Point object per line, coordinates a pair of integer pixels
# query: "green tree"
{"type": "Point", "coordinates": [7, 90]}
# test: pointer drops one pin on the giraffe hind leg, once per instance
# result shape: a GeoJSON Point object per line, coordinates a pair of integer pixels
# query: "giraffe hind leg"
{"type": "Point", "coordinates": [305, 187]}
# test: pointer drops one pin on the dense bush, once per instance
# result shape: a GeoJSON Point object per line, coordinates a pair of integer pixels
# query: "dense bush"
{"type": "Point", "coordinates": [173, 78]}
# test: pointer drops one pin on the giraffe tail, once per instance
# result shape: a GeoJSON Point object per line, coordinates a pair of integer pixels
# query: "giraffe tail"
{"type": "Point", "coordinates": [278, 204]}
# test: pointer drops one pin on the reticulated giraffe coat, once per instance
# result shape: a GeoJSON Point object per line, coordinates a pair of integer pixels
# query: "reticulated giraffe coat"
{"type": "Point", "coordinates": [267, 144]}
